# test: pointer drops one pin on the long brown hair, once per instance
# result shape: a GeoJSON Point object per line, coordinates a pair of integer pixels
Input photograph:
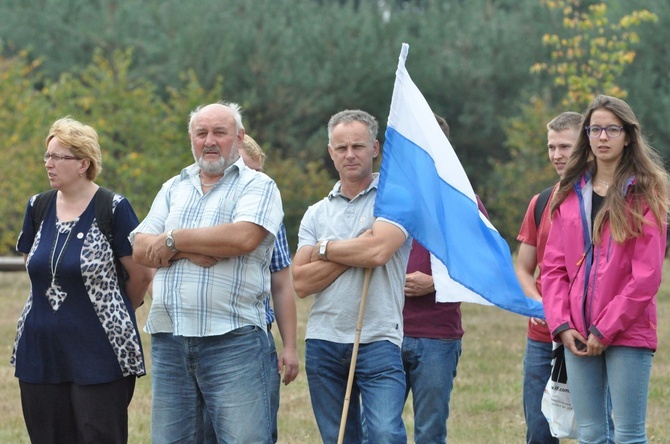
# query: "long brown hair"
{"type": "Point", "coordinates": [639, 160]}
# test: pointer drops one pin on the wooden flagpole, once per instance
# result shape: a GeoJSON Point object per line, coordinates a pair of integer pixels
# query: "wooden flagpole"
{"type": "Point", "coordinates": [354, 354]}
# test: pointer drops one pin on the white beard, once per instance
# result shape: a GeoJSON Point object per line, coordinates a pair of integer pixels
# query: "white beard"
{"type": "Point", "coordinates": [218, 167]}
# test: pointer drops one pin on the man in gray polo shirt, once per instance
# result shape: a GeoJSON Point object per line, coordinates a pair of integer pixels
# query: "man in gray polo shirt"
{"type": "Point", "coordinates": [339, 237]}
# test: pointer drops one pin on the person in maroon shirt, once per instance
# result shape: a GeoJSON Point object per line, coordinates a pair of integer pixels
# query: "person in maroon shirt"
{"type": "Point", "coordinates": [431, 345]}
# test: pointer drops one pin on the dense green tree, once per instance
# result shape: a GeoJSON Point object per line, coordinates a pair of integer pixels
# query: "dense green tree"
{"type": "Point", "coordinates": [591, 52]}
{"type": "Point", "coordinates": [647, 80]}
{"type": "Point", "coordinates": [474, 70]}
{"type": "Point", "coordinates": [291, 64]}
{"type": "Point", "coordinates": [291, 69]}
{"type": "Point", "coordinates": [22, 131]}
{"type": "Point", "coordinates": [526, 173]}
{"type": "Point", "coordinates": [301, 183]}
{"type": "Point", "coordinates": [589, 55]}
{"type": "Point", "coordinates": [142, 135]}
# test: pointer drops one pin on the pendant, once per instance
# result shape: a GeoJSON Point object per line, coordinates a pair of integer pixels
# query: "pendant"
{"type": "Point", "coordinates": [55, 295]}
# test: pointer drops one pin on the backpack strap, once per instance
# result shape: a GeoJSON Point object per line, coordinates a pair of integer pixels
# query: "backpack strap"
{"type": "Point", "coordinates": [40, 207]}
{"type": "Point", "coordinates": [104, 214]}
{"type": "Point", "coordinates": [541, 204]}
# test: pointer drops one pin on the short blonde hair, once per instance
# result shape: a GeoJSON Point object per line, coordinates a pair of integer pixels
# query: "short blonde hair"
{"type": "Point", "coordinates": [81, 140]}
{"type": "Point", "coordinates": [253, 149]}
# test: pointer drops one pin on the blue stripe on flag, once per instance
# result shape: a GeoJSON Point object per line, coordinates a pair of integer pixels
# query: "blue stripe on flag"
{"type": "Point", "coordinates": [447, 222]}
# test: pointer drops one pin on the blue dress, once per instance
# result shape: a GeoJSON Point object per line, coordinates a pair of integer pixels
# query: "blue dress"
{"type": "Point", "coordinates": [78, 326]}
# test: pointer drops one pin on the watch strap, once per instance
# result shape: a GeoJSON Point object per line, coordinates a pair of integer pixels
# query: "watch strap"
{"type": "Point", "coordinates": [322, 250]}
{"type": "Point", "coordinates": [169, 241]}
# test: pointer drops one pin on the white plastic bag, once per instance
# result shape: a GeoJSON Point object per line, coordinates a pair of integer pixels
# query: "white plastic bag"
{"type": "Point", "coordinates": [556, 402]}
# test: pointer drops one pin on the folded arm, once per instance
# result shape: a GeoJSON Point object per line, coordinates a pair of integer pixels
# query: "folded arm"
{"type": "Point", "coordinates": [373, 248]}
{"type": "Point", "coordinates": [312, 277]}
{"type": "Point", "coordinates": [220, 241]}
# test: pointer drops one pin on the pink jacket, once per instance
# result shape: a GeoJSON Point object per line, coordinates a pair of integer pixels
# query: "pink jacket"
{"type": "Point", "coordinates": [608, 289]}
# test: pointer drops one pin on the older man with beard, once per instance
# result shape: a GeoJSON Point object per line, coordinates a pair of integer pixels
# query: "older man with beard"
{"type": "Point", "coordinates": [210, 234]}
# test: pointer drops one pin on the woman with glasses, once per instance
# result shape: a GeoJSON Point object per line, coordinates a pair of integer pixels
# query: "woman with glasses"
{"type": "Point", "coordinates": [77, 351]}
{"type": "Point", "coordinates": [602, 270]}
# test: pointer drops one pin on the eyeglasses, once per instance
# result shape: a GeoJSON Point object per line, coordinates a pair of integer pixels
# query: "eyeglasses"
{"type": "Point", "coordinates": [611, 131]}
{"type": "Point", "coordinates": [58, 158]}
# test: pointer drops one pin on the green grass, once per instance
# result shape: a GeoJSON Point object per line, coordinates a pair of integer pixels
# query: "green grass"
{"type": "Point", "coordinates": [485, 405]}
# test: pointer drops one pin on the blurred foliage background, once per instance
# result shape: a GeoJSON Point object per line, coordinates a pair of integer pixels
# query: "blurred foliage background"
{"type": "Point", "coordinates": [497, 70]}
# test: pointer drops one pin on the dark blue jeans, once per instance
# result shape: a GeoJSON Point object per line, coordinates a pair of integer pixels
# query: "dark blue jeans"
{"type": "Point", "coordinates": [430, 368]}
{"type": "Point", "coordinates": [536, 373]}
{"type": "Point", "coordinates": [274, 381]}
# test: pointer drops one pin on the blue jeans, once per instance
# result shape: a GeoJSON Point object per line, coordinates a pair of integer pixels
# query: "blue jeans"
{"type": "Point", "coordinates": [536, 373]}
{"type": "Point", "coordinates": [430, 368]}
{"type": "Point", "coordinates": [626, 371]}
{"type": "Point", "coordinates": [226, 375]}
{"type": "Point", "coordinates": [274, 381]}
{"type": "Point", "coordinates": [379, 384]}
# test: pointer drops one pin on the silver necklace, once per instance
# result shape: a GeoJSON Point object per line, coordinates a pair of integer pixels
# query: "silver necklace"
{"type": "Point", "coordinates": [607, 184]}
{"type": "Point", "coordinates": [55, 294]}
{"type": "Point", "coordinates": [55, 264]}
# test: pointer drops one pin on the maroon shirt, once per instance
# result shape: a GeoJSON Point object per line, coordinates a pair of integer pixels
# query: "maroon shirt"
{"type": "Point", "coordinates": [422, 316]}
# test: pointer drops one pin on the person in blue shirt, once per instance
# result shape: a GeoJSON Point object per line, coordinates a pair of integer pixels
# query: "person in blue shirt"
{"type": "Point", "coordinates": [283, 308]}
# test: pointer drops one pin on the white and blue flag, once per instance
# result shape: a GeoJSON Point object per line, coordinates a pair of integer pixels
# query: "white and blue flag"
{"type": "Point", "coordinates": [424, 188]}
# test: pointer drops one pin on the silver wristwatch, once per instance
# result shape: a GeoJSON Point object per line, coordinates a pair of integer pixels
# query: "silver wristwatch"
{"type": "Point", "coordinates": [169, 242]}
{"type": "Point", "coordinates": [322, 250]}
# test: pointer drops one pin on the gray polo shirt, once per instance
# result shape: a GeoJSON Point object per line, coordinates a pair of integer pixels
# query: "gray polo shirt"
{"type": "Point", "coordinates": [334, 312]}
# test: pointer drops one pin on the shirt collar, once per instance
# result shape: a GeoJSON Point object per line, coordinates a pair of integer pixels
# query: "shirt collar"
{"type": "Point", "coordinates": [337, 189]}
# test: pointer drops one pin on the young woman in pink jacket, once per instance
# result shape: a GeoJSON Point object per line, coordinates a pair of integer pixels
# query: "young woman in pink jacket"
{"type": "Point", "coordinates": [602, 269]}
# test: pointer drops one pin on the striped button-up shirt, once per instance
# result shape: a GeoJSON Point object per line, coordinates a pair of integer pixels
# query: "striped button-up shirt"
{"type": "Point", "coordinates": [281, 258]}
{"type": "Point", "coordinates": [189, 300]}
